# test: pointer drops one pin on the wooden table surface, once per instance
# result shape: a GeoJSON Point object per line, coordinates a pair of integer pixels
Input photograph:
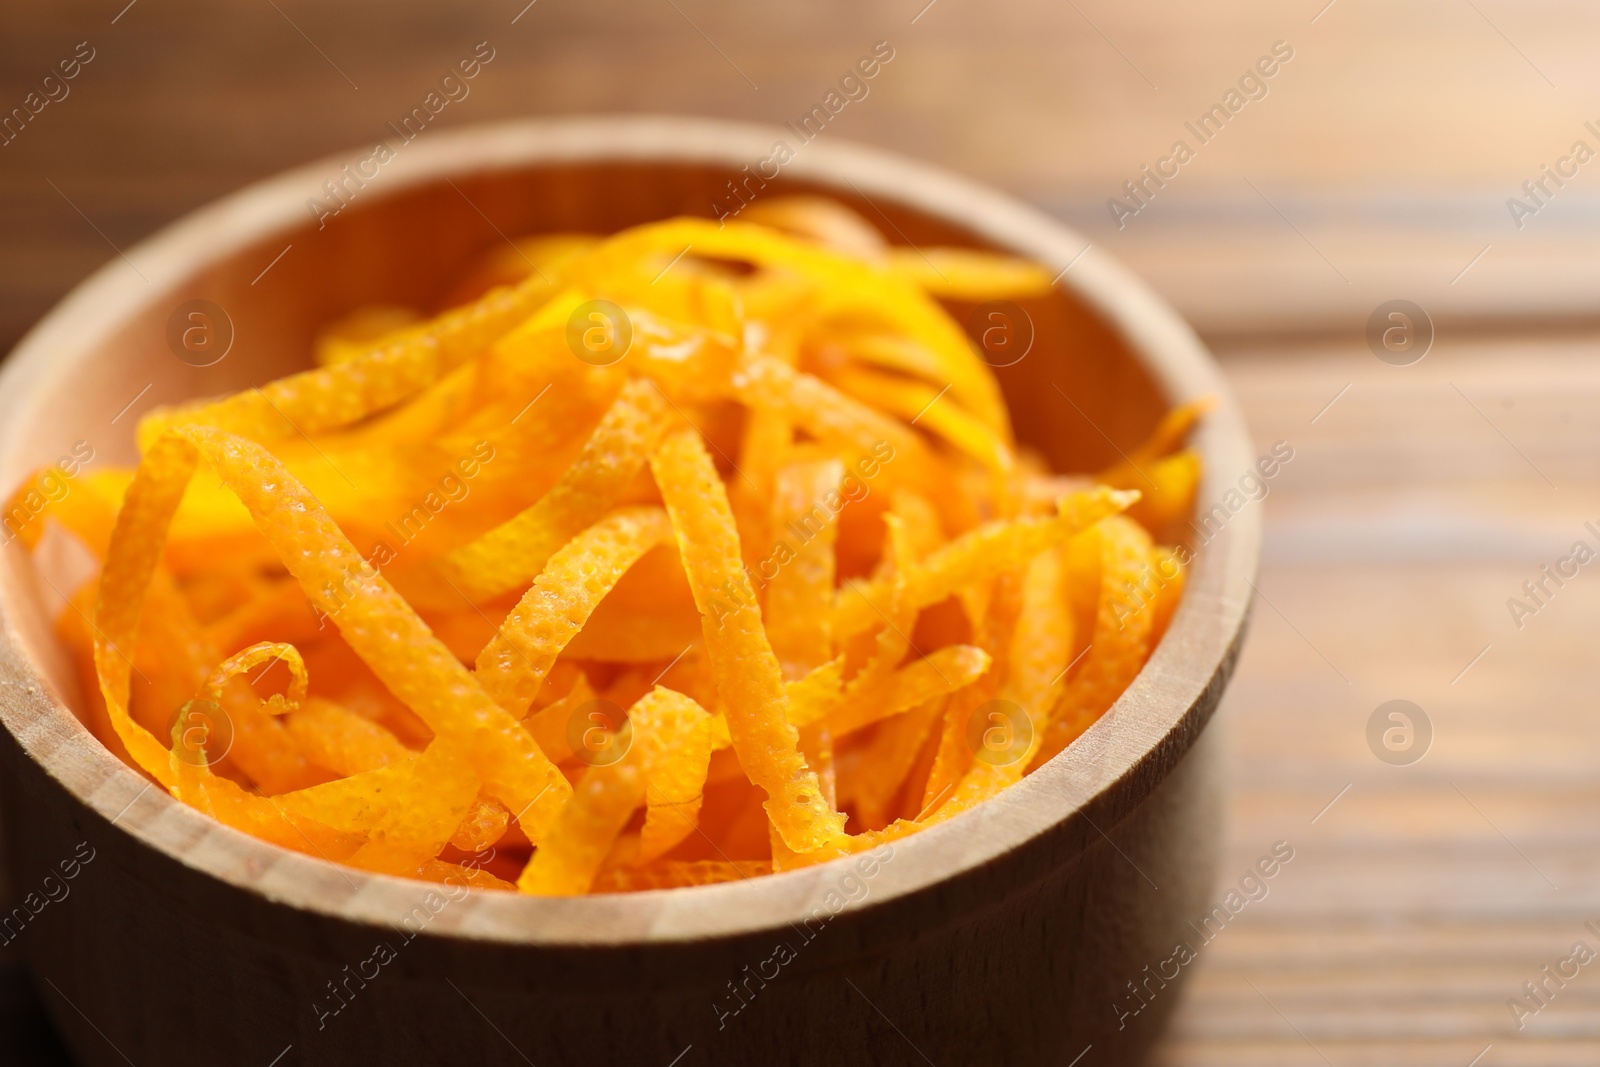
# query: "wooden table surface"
{"type": "Point", "coordinates": [1426, 895]}
{"type": "Point", "coordinates": [1420, 498]}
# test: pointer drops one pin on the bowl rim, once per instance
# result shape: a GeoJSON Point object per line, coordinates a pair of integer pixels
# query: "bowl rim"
{"type": "Point", "coordinates": [1114, 764]}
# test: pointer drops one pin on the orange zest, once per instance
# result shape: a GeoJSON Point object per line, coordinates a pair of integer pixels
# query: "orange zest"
{"type": "Point", "coordinates": [652, 560]}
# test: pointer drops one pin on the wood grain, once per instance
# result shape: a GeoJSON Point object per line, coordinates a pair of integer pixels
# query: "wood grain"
{"type": "Point", "coordinates": [1426, 896]}
{"type": "Point", "coordinates": [1386, 148]}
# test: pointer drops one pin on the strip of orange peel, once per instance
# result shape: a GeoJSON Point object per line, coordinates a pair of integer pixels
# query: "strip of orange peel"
{"type": "Point", "coordinates": [570, 856]}
{"type": "Point", "coordinates": [981, 554]}
{"type": "Point", "coordinates": [1121, 640]}
{"type": "Point", "coordinates": [1040, 654]}
{"type": "Point", "coordinates": [511, 554]}
{"type": "Point", "coordinates": [801, 592]}
{"type": "Point", "coordinates": [663, 769]}
{"type": "Point", "coordinates": [513, 665]}
{"type": "Point", "coordinates": [674, 738]}
{"type": "Point", "coordinates": [376, 622]}
{"type": "Point", "coordinates": [268, 652]}
{"type": "Point", "coordinates": [747, 674]}
{"type": "Point", "coordinates": [328, 398]}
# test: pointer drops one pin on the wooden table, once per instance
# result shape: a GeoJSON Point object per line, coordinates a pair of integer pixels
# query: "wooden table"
{"type": "Point", "coordinates": [1426, 895]}
{"type": "Point", "coordinates": [1420, 498]}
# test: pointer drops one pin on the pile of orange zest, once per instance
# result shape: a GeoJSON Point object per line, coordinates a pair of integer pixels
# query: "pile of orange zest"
{"type": "Point", "coordinates": [739, 573]}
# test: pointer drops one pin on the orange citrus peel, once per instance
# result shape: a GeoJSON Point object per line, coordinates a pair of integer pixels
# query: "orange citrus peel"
{"type": "Point", "coordinates": [772, 543]}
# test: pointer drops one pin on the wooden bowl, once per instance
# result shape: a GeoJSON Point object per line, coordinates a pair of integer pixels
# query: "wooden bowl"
{"type": "Point", "coordinates": [1015, 934]}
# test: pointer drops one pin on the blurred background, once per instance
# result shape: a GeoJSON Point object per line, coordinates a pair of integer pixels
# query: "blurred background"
{"type": "Point", "coordinates": [1420, 150]}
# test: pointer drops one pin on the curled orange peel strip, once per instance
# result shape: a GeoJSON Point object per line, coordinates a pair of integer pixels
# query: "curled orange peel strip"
{"type": "Point", "coordinates": [376, 622]}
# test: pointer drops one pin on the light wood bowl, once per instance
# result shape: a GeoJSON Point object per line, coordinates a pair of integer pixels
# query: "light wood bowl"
{"type": "Point", "coordinates": [1005, 936]}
